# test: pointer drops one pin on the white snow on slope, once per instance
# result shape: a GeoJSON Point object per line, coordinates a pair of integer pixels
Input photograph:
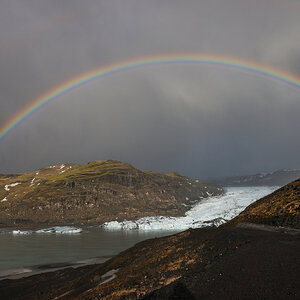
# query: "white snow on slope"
{"type": "Point", "coordinates": [8, 186]}
{"type": "Point", "coordinates": [212, 211]}
{"type": "Point", "coordinates": [32, 182]}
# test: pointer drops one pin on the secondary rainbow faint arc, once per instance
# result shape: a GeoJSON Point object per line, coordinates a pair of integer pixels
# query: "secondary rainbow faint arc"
{"type": "Point", "coordinates": [208, 59]}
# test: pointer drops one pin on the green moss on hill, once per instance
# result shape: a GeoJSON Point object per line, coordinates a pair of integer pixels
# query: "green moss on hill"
{"type": "Point", "coordinates": [93, 169]}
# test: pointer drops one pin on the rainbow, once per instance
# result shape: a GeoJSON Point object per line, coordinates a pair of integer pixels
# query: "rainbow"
{"type": "Point", "coordinates": [110, 69]}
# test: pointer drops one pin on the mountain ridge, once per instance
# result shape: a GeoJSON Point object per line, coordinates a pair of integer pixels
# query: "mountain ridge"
{"type": "Point", "coordinates": [279, 177]}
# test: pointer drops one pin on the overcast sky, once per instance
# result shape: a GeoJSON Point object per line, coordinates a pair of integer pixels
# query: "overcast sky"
{"type": "Point", "coordinates": [202, 121]}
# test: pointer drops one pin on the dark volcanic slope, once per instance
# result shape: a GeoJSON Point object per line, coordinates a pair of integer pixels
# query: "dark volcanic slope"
{"type": "Point", "coordinates": [281, 208]}
{"type": "Point", "coordinates": [223, 263]}
{"type": "Point", "coordinates": [98, 192]}
{"type": "Point", "coordinates": [243, 264]}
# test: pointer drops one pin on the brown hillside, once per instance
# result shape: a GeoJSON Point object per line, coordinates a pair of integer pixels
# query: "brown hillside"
{"type": "Point", "coordinates": [281, 208]}
{"type": "Point", "coordinates": [98, 192]}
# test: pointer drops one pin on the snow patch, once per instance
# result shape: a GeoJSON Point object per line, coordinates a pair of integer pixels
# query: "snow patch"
{"type": "Point", "coordinates": [8, 186]}
{"type": "Point", "coordinates": [62, 166]}
{"type": "Point", "coordinates": [212, 211]}
{"type": "Point", "coordinates": [4, 199]}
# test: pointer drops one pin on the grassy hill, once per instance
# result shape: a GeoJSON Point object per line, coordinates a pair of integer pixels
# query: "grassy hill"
{"type": "Point", "coordinates": [94, 193]}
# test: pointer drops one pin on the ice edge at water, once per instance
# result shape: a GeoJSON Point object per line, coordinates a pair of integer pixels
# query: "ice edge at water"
{"type": "Point", "coordinates": [55, 229]}
{"type": "Point", "coordinates": [212, 211]}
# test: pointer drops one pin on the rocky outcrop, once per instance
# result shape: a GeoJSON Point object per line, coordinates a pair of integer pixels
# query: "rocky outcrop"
{"type": "Point", "coordinates": [95, 193]}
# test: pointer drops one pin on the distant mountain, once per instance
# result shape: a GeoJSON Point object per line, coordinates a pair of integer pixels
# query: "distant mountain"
{"type": "Point", "coordinates": [277, 178]}
{"type": "Point", "coordinates": [95, 193]}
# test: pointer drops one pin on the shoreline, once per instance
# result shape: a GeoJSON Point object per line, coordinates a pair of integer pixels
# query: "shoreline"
{"type": "Point", "coordinates": [22, 272]}
{"type": "Point", "coordinates": [231, 254]}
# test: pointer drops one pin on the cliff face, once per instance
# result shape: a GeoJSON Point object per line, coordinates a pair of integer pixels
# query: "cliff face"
{"type": "Point", "coordinates": [98, 192]}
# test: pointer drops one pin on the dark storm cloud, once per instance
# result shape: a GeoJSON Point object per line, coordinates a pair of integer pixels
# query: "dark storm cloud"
{"type": "Point", "coordinates": [202, 121]}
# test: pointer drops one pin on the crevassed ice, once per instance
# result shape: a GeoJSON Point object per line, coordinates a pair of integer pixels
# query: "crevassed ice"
{"type": "Point", "coordinates": [211, 211]}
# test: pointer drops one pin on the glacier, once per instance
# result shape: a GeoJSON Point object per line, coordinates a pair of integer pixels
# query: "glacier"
{"type": "Point", "coordinates": [212, 211]}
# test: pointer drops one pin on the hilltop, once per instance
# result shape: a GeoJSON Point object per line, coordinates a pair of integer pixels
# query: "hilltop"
{"type": "Point", "coordinates": [98, 192]}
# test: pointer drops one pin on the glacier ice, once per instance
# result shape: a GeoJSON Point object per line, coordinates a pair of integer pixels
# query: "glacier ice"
{"type": "Point", "coordinates": [212, 211]}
